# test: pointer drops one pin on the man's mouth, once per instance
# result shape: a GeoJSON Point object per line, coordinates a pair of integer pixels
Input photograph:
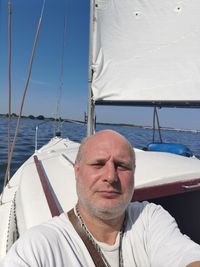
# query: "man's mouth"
{"type": "Point", "coordinates": [109, 193]}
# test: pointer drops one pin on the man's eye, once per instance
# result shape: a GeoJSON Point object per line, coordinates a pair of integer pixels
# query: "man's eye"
{"type": "Point", "coordinates": [98, 165]}
{"type": "Point", "coordinates": [123, 167]}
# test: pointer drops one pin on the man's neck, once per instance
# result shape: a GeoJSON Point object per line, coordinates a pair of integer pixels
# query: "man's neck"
{"type": "Point", "coordinates": [105, 231]}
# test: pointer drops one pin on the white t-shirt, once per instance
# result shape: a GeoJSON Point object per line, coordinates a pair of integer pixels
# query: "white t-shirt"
{"type": "Point", "coordinates": [111, 252]}
{"type": "Point", "coordinates": [151, 238]}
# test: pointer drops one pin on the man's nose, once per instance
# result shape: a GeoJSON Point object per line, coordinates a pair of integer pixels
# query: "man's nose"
{"type": "Point", "coordinates": [111, 175]}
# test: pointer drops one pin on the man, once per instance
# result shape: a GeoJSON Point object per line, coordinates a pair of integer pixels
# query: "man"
{"type": "Point", "coordinates": [123, 234]}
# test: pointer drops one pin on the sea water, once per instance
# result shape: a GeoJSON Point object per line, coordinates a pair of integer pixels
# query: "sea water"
{"type": "Point", "coordinates": [25, 145]}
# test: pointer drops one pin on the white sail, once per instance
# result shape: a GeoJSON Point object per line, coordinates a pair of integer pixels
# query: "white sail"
{"type": "Point", "coordinates": [146, 50]}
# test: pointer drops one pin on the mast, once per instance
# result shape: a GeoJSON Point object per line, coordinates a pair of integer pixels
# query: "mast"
{"type": "Point", "coordinates": [91, 105]}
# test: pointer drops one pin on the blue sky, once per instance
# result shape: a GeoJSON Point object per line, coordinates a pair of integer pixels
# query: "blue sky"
{"type": "Point", "coordinates": [45, 79]}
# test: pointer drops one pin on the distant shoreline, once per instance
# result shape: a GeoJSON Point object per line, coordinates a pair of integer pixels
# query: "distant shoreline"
{"type": "Point", "coordinates": [41, 117]}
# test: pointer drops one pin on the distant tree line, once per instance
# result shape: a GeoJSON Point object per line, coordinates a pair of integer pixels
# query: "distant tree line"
{"type": "Point", "coordinates": [32, 117]}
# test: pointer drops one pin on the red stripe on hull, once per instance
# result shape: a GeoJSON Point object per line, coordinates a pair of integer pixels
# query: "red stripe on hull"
{"type": "Point", "coordinates": [47, 191]}
{"type": "Point", "coordinates": [166, 189]}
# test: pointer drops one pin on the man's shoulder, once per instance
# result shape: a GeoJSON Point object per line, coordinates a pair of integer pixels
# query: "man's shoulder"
{"type": "Point", "coordinates": [48, 230]}
{"type": "Point", "coordinates": [46, 243]}
{"type": "Point", "coordinates": [143, 210]}
{"type": "Point", "coordinates": [137, 206]}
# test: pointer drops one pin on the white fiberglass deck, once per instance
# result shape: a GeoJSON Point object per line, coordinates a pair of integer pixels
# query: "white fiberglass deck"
{"type": "Point", "coordinates": [152, 168]}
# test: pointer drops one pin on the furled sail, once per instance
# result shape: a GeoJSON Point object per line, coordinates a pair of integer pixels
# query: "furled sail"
{"type": "Point", "coordinates": [146, 51]}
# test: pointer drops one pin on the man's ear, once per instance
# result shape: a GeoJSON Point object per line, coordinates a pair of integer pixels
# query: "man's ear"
{"type": "Point", "coordinates": [76, 169]}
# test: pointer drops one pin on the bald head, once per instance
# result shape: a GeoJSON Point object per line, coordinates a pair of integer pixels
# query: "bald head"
{"type": "Point", "coordinates": [104, 136]}
{"type": "Point", "coordinates": [104, 171]}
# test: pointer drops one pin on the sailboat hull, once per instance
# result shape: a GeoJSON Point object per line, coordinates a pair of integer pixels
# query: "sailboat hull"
{"type": "Point", "coordinates": [25, 202]}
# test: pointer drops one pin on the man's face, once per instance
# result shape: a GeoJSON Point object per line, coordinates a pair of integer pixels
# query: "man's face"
{"type": "Point", "coordinates": [105, 175]}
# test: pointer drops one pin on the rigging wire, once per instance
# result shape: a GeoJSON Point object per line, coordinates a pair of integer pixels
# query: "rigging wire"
{"type": "Point", "coordinates": [156, 119]}
{"type": "Point", "coordinates": [6, 178]}
{"type": "Point", "coordinates": [9, 78]}
{"type": "Point", "coordinates": [61, 80]}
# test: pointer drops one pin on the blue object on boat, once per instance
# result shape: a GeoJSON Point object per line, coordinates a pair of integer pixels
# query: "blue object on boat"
{"type": "Point", "coordinates": [170, 148]}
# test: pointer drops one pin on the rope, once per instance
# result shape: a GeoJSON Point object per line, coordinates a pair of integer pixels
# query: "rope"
{"type": "Point", "coordinates": [156, 119]}
{"type": "Point", "coordinates": [61, 82]}
{"type": "Point", "coordinates": [158, 123]}
{"type": "Point", "coordinates": [6, 180]}
{"type": "Point", "coordinates": [154, 124]}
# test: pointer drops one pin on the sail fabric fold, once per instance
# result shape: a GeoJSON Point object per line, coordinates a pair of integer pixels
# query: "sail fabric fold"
{"type": "Point", "coordinates": [146, 50]}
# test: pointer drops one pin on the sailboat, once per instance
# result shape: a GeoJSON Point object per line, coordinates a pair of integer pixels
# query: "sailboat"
{"type": "Point", "coordinates": [142, 53]}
